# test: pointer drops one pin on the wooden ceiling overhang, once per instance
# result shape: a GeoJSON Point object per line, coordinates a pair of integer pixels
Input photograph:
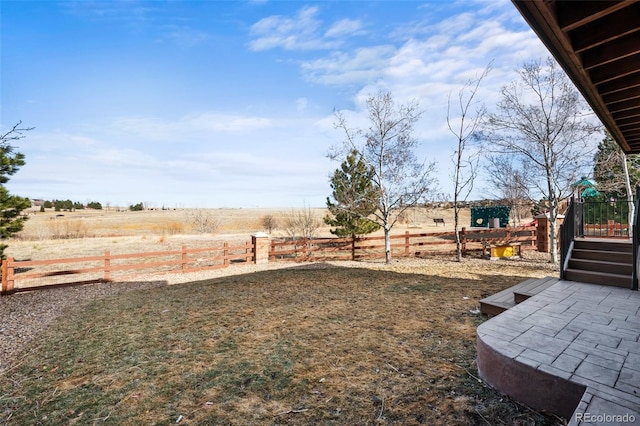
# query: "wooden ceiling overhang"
{"type": "Point", "coordinates": [598, 45]}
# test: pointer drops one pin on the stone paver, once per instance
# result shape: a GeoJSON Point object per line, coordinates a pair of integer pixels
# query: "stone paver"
{"type": "Point", "coordinates": [586, 333]}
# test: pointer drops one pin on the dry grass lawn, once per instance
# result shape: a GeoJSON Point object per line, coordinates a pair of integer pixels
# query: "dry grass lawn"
{"type": "Point", "coordinates": [341, 343]}
{"type": "Point", "coordinates": [314, 344]}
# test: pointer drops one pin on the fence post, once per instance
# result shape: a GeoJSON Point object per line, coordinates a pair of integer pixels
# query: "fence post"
{"type": "Point", "coordinates": [107, 265]}
{"type": "Point", "coordinates": [3, 289]}
{"type": "Point", "coordinates": [304, 249]}
{"type": "Point", "coordinates": [7, 276]}
{"type": "Point", "coordinates": [184, 258]}
{"type": "Point", "coordinates": [463, 240]}
{"type": "Point", "coordinates": [406, 243]}
{"type": "Point", "coordinates": [611, 228]}
{"type": "Point", "coordinates": [353, 247]}
{"type": "Point", "coordinates": [533, 237]}
{"type": "Point", "coordinates": [261, 246]}
{"type": "Point", "coordinates": [247, 252]}
{"type": "Point", "coordinates": [225, 253]}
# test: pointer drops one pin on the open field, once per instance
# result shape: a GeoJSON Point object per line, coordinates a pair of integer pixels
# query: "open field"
{"type": "Point", "coordinates": [89, 232]}
{"type": "Point", "coordinates": [341, 343]}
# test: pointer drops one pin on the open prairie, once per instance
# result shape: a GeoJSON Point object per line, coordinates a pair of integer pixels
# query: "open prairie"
{"type": "Point", "coordinates": [87, 232]}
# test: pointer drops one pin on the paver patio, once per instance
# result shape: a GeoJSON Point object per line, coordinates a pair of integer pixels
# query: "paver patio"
{"type": "Point", "coordinates": [573, 349]}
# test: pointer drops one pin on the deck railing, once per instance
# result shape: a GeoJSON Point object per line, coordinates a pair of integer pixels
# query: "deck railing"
{"type": "Point", "coordinates": [636, 242]}
{"type": "Point", "coordinates": [606, 218]}
{"type": "Point", "coordinates": [568, 232]}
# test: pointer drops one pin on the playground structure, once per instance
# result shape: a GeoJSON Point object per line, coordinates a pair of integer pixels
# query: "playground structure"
{"type": "Point", "coordinates": [490, 217]}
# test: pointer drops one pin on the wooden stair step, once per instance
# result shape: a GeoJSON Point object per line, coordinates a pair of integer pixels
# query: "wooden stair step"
{"type": "Point", "coordinates": [602, 278]}
{"type": "Point", "coordinates": [526, 291]}
{"type": "Point", "coordinates": [616, 256]}
{"type": "Point", "coordinates": [601, 266]}
{"type": "Point", "coordinates": [623, 246]}
{"type": "Point", "coordinates": [506, 299]}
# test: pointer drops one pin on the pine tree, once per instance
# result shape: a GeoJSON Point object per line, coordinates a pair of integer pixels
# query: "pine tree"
{"type": "Point", "coordinates": [11, 206]}
{"type": "Point", "coordinates": [355, 199]}
{"type": "Point", "coordinates": [608, 169]}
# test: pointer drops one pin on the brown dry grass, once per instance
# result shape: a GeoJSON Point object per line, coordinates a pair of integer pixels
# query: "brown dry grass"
{"type": "Point", "coordinates": [91, 232]}
{"type": "Point", "coordinates": [316, 344]}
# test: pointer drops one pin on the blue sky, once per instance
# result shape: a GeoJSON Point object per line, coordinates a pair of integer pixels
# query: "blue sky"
{"type": "Point", "coordinates": [230, 104]}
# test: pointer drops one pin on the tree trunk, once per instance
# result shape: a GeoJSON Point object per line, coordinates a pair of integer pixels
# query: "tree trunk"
{"type": "Point", "coordinates": [457, 234]}
{"type": "Point", "coordinates": [387, 243]}
{"type": "Point", "coordinates": [553, 231]}
{"type": "Point", "coordinates": [627, 184]}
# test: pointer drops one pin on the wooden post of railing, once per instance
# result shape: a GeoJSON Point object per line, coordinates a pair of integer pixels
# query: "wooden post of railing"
{"type": "Point", "coordinates": [3, 288]}
{"type": "Point", "coordinates": [7, 276]}
{"type": "Point", "coordinates": [611, 228]}
{"type": "Point", "coordinates": [248, 252]}
{"type": "Point", "coordinates": [406, 243]}
{"type": "Point", "coordinates": [353, 247]}
{"type": "Point", "coordinates": [184, 258]}
{"type": "Point", "coordinates": [304, 249]}
{"type": "Point", "coordinates": [225, 253]}
{"type": "Point", "coordinates": [463, 240]}
{"type": "Point", "coordinates": [533, 237]}
{"type": "Point", "coordinates": [107, 265]}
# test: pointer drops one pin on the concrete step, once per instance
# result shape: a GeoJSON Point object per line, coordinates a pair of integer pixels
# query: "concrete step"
{"type": "Point", "coordinates": [602, 278]}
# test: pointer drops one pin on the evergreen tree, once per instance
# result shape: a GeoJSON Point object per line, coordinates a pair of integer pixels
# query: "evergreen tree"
{"type": "Point", "coordinates": [11, 206]}
{"type": "Point", "coordinates": [608, 169]}
{"type": "Point", "coordinates": [355, 198]}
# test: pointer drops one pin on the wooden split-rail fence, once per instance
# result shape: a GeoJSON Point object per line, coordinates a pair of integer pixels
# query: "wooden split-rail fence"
{"type": "Point", "coordinates": [23, 275]}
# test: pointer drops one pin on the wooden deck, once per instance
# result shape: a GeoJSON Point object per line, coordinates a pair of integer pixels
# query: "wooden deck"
{"type": "Point", "coordinates": [507, 299]}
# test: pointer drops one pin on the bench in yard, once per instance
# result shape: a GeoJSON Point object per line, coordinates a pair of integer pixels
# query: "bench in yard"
{"type": "Point", "coordinates": [438, 220]}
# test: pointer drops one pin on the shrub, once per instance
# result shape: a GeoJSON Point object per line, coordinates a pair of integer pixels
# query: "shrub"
{"type": "Point", "coordinates": [203, 221]}
{"type": "Point", "coordinates": [269, 222]}
{"type": "Point", "coordinates": [301, 224]}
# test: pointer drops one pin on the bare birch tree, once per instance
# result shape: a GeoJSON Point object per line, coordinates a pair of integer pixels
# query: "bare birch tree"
{"type": "Point", "coordinates": [509, 182]}
{"type": "Point", "coordinates": [464, 126]}
{"type": "Point", "coordinates": [388, 147]}
{"type": "Point", "coordinates": [542, 119]}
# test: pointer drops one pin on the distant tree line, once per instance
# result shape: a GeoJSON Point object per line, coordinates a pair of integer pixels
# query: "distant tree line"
{"type": "Point", "coordinates": [68, 205]}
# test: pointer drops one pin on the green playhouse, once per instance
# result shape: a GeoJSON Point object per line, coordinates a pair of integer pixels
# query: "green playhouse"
{"type": "Point", "coordinates": [484, 217]}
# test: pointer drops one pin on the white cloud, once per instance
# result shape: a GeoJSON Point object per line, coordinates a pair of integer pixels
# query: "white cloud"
{"type": "Point", "coordinates": [151, 128]}
{"type": "Point", "coordinates": [301, 32]}
{"type": "Point", "coordinates": [340, 68]}
{"type": "Point", "coordinates": [345, 27]}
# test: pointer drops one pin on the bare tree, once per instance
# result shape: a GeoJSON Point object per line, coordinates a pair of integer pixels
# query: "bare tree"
{"type": "Point", "coordinates": [301, 224]}
{"type": "Point", "coordinates": [269, 222]}
{"type": "Point", "coordinates": [387, 147]}
{"type": "Point", "coordinates": [204, 221]}
{"type": "Point", "coordinates": [542, 120]}
{"type": "Point", "coordinates": [469, 115]}
{"type": "Point", "coordinates": [510, 183]}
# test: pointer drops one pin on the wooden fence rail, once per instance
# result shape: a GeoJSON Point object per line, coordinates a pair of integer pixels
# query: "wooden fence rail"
{"type": "Point", "coordinates": [21, 275]}
{"type": "Point", "coordinates": [402, 245]}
